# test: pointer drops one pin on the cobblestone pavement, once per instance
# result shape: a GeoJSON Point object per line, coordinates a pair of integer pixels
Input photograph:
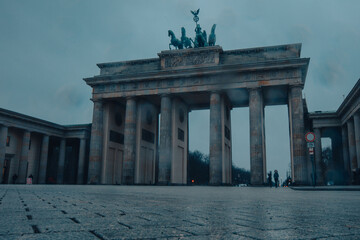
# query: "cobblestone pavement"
{"type": "Point", "coordinates": [155, 212]}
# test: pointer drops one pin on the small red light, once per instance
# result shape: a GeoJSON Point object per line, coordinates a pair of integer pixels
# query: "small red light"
{"type": "Point", "coordinates": [192, 180]}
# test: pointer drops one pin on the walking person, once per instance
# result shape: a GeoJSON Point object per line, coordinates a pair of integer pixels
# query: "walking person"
{"type": "Point", "coordinates": [276, 178]}
{"type": "Point", "coordinates": [14, 177]}
{"type": "Point", "coordinates": [270, 179]}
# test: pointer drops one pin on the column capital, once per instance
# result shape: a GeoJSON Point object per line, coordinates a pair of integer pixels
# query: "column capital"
{"type": "Point", "coordinates": [27, 131]}
{"type": "Point", "coordinates": [350, 120]}
{"type": "Point", "coordinates": [131, 98]}
{"type": "Point", "coordinates": [169, 95]}
{"type": "Point", "coordinates": [253, 88]}
{"type": "Point", "coordinates": [296, 85]}
{"type": "Point", "coordinates": [97, 100]}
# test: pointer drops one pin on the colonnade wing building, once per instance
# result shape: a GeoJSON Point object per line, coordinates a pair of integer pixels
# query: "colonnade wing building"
{"type": "Point", "coordinates": [49, 152]}
{"type": "Point", "coordinates": [343, 128]}
{"type": "Point", "coordinates": [140, 127]}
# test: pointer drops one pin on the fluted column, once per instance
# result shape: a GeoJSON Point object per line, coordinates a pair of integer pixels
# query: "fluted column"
{"type": "Point", "coordinates": [352, 147]}
{"type": "Point", "coordinates": [61, 163]}
{"type": "Point", "coordinates": [345, 150]}
{"type": "Point", "coordinates": [43, 159]}
{"type": "Point", "coordinates": [3, 137]}
{"type": "Point", "coordinates": [23, 163]}
{"type": "Point", "coordinates": [165, 149]}
{"type": "Point", "coordinates": [215, 167]}
{"type": "Point", "coordinates": [82, 149]}
{"type": "Point", "coordinates": [129, 141]}
{"type": "Point", "coordinates": [318, 158]}
{"type": "Point", "coordinates": [96, 144]}
{"type": "Point", "coordinates": [296, 112]}
{"type": "Point", "coordinates": [257, 154]}
{"type": "Point", "coordinates": [357, 136]}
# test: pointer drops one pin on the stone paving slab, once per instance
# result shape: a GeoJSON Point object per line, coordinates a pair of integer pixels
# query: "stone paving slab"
{"type": "Point", "coordinates": [153, 212]}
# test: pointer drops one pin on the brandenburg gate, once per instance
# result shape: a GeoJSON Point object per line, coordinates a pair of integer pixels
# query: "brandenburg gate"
{"type": "Point", "coordinates": [131, 144]}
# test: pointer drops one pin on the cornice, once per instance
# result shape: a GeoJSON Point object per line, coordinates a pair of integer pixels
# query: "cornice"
{"type": "Point", "coordinates": [219, 69]}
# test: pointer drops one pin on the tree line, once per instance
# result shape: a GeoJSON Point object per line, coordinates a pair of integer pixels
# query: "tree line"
{"type": "Point", "coordinates": [198, 170]}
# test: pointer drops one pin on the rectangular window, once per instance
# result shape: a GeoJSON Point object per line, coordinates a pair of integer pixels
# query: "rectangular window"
{"type": "Point", "coordinates": [180, 134]}
{"type": "Point", "coordinates": [147, 136]}
{"type": "Point", "coordinates": [116, 137]}
{"type": "Point", "coordinates": [8, 141]}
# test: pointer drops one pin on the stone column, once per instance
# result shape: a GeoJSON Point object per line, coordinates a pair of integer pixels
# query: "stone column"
{"type": "Point", "coordinates": [129, 141]}
{"type": "Point", "coordinates": [23, 162]}
{"type": "Point", "coordinates": [82, 149]}
{"type": "Point", "coordinates": [296, 112]}
{"type": "Point", "coordinates": [43, 159]}
{"type": "Point", "coordinates": [352, 147]}
{"type": "Point", "coordinates": [318, 157]}
{"type": "Point", "coordinates": [3, 137]}
{"type": "Point", "coordinates": [96, 144]}
{"type": "Point", "coordinates": [215, 167]}
{"type": "Point", "coordinates": [61, 164]}
{"type": "Point", "coordinates": [357, 136]}
{"type": "Point", "coordinates": [165, 149]}
{"type": "Point", "coordinates": [256, 109]}
{"type": "Point", "coordinates": [345, 150]}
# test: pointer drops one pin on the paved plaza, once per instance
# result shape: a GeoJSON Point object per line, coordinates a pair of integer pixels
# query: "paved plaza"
{"type": "Point", "coordinates": [188, 212]}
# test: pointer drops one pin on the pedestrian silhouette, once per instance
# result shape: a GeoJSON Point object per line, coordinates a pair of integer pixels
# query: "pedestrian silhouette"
{"type": "Point", "coordinates": [276, 178]}
{"type": "Point", "coordinates": [14, 177]}
{"type": "Point", "coordinates": [270, 179]}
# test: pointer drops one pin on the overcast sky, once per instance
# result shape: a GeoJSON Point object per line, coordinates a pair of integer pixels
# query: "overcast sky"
{"type": "Point", "coordinates": [47, 47]}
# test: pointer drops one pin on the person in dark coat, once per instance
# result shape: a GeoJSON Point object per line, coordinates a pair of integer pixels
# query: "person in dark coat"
{"type": "Point", "coordinates": [270, 179]}
{"type": "Point", "coordinates": [276, 178]}
{"type": "Point", "coordinates": [14, 177]}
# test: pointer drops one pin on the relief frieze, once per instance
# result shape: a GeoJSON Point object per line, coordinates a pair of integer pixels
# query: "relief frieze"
{"type": "Point", "coordinates": [190, 60]}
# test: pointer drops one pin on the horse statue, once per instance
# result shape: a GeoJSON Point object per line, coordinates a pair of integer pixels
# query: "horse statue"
{"type": "Point", "coordinates": [205, 38]}
{"type": "Point", "coordinates": [212, 36]}
{"type": "Point", "coordinates": [174, 41]}
{"type": "Point", "coordinates": [184, 39]}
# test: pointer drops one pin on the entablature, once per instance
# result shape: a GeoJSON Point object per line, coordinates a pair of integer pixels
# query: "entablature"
{"type": "Point", "coordinates": [20, 121]}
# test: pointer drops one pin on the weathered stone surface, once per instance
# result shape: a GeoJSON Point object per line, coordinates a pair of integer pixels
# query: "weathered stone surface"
{"type": "Point", "coordinates": [297, 136]}
{"type": "Point", "coordinates": [43, 159]}
{"type": "Point", "coordinates": [61, 165]}
{"type": "Point", "coordinates": [190, 58]}
{"type": "Point", "coordinates": [23, 163]}
{"type": "Point", "coordinates": [345, 148]}
{"type": "Point", "coordinates": [130, 142]}
{"type": "Point", "coordinates": [352, 146]}
{"type": "Point", "coordinates": [318, 156]}
{"type": "Point", "coordinates": [256, 108]}
{"type": "Point", "coordinates": [357, 136]}
{"type": "Point", "coordinates": [215, 165]}
{"type": "Point", "coordinates": [165, 149]}
{"type": "Point", "coordinates": [96, 144]}
{"type": "Point", "coordinates": [82, 152]}
{"type": "Point", "coordinates": [3, 136]}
